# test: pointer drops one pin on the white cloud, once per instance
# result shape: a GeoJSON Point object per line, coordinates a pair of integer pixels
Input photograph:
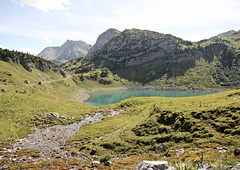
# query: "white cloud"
{"type": "Point", "coordinates": [72, 35]}
{"type": "Point", "coordinates": [47, 5]}
{"type": "Point", "coordinates": [69, 14]}
{"type": "Point", "coordinates": [176, 16]}
{"type": "Point", "coordinates": [30, 50]}
{"type": "Point", "coordinates": [46, 40]}
{"type": "Point", "coordinates": [169, 13]}
{"type": "Point", "coordinates": [2, 47]}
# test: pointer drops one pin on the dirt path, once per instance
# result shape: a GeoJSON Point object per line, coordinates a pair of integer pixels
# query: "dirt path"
{"type": "Point", "coordinates": [56, 80]}
{"type": "Point", "coordinates": [50, 81]}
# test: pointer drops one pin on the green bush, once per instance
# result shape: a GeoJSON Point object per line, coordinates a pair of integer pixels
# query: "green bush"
{"type": "Point", "coordinates": [105, 158]}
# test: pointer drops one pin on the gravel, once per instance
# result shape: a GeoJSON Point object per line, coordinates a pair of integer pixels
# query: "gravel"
{"type": "Point", "coordinates": [52, 138]}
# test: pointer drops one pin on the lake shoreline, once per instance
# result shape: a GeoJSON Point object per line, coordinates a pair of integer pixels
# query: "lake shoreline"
{"type": "Point", "coordinates": [125, 88]}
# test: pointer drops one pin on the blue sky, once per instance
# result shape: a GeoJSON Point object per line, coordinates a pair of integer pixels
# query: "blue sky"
{"type": "Point", "coordinates": [32, 25]}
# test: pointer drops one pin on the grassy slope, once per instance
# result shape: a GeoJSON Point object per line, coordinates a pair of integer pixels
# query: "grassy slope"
{"type": "Point", "coordinates": [149, 121]}
{"type": "Point", "coordinates": [20, 101]}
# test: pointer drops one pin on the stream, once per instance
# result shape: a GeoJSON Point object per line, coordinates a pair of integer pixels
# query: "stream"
{"type": "Point", "coordinates": [54, 137]}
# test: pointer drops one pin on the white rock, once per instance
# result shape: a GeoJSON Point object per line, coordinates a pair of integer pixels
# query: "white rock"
{"type": "Point", "coordinates": [155, 165]}
{"type": "Point", "coordinates": [95, 163]}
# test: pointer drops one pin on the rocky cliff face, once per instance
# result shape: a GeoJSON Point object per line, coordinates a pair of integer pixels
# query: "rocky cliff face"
{"type": "Point", "coordinates": [68, 51]}
{"type": "Point", "coordinates": [144, 56]}
{"type": "Point", "coordinates": [104, 38]}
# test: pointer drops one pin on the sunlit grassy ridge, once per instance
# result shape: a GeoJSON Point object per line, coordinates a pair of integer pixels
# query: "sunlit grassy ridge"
{"type": "Point", "coordinates": [150, 121]}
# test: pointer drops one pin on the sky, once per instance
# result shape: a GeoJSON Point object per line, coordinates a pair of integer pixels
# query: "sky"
{"type": "Point", "coordinates": [32, 25]}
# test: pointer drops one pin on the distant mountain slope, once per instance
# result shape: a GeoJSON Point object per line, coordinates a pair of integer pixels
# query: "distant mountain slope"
{"type": "Point", "coordinates": [68, 51]}
{"type": "Point", "coordinates": [103, 38]}
{"type": "Point", "coordinates": [225, 34]}
{"type": "Point", "coordinates": [159, 59]}
{"type": "Point", "coordinates": [28, 61]}
{"type": "Point", "coordinates": [17, 68]}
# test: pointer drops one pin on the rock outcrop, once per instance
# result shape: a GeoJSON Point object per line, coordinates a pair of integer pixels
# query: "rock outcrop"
{"type": "Point", "coordinates": [104, 38]}
{"type": "Point", "coordinates": [68, 51]}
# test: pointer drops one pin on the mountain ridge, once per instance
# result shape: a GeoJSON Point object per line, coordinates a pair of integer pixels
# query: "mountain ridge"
{"type": "Point", "coordinates": [146, 56]}
{"type": "Point", "coordinates": [28, 62]}
{"type": "Point", "coordinates": [103, 38]}
{"type": "Point", "coordinates": [66, 52]}
{"type": "Point", "coordinates": [224, 34]}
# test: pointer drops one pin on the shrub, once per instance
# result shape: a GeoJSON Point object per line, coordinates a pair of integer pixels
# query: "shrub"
{"type": "Point", "coordinates": [105, 158]}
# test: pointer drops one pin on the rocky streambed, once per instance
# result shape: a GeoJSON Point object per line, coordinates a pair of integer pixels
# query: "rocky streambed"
{"type": "Point", "coordinates": [54, 137]}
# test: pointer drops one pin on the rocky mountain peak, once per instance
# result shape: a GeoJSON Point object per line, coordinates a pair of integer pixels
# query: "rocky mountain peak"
{"type": "Point", "coordinates": [66, 52]}
{"type": "Point", "coordinates": [104, 38]}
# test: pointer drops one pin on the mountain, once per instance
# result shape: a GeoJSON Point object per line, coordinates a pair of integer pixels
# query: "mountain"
{"type": "Point", "coordinates": [159, 59]}
{"type": "Point", "coordinates": [104, 38]}
{"type": "Point", "coordinates": [68, 51]}
{"type": "Point", "coordinates": [28, 62]}
{"type": "Point", "coordinates": [225, 34]}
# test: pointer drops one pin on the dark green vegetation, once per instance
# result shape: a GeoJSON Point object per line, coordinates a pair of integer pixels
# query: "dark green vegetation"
{"type": "Point", "coordinates": [151, 58]}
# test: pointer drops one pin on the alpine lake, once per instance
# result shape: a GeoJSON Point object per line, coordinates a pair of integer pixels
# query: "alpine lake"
{"type": "Point", "coordinates": [105, 98]}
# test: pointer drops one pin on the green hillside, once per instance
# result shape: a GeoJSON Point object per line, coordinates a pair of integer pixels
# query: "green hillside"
{"type": "Point", "coordinates": [147, 122]}
{"type": "Point", "coordinates": [25, 93]}
{"type": "Point", "coordinates": [30, 85]}
{"type": "Point", "coordinates": [151, 58]}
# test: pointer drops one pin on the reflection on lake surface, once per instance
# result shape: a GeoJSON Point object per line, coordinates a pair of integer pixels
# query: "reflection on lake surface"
{"type": "Point", "coordinates": [104, 98]}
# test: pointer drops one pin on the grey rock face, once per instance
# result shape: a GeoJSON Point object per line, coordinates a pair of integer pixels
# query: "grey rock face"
{"type": "Point", "coordinates": [104, 38]}
{"type": "Point", "coordinates": [68, 51]}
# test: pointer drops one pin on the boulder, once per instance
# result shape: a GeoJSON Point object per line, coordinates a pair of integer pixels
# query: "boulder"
{"type": "Point", "coordinates": [237, 167]}
{"type": "Point", "coordinates": [26, 81]}
{"type": "Point", "coordinates": [204, 166]}
{"type": "Point", "coordinates": [54, 114]}
{"type": "Point", "coordinates": [237, 151]}
{"type": "Point", "coordinates": [62, 117]}
{"type": "Point", "coordinates": [160, 147]}
{"type": "Point", "coordinates": [107, 163]}
{"type": "Point", "coordinates": [155, 165]}
{"type": "Point", "coordinates": [180, 151]}
{"type": "Point", "coordinates": [171, 168]}
{"type": "Point", "coordinates": [93, 151]}
{"type": "Point", "coordinates": [94, 163]}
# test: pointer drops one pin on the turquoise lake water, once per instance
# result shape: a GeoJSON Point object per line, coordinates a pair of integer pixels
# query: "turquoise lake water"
{"type": "Point", "coordinates": [105, 98]}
